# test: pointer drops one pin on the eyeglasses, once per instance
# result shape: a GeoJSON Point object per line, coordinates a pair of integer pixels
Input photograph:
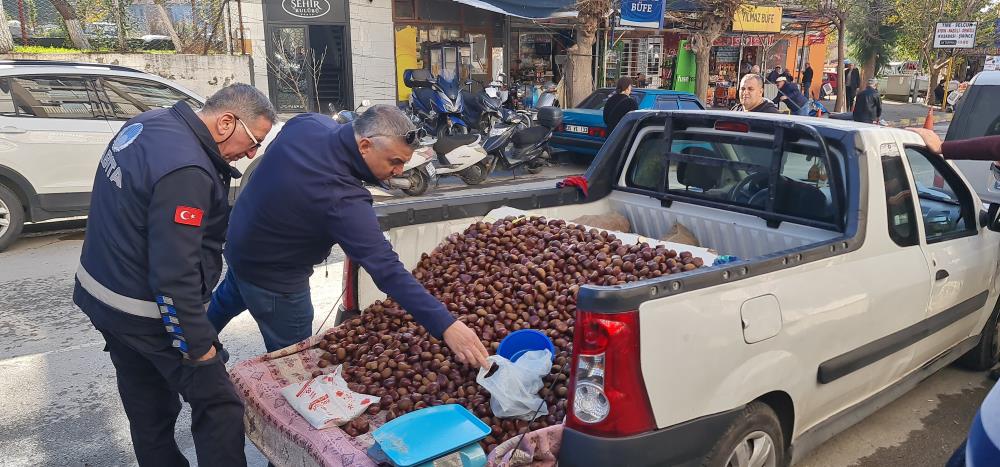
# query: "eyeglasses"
{"type": "Point", "coordinates": [256, 144]}
{"type": "Point", "coordinates": [411, 137]}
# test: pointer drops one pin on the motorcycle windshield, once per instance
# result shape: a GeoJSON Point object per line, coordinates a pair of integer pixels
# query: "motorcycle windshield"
{"type": "Point", "coordinates": [448, 81]}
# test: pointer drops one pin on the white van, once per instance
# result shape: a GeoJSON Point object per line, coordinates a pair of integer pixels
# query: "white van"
{"type": "Point", "coordinates": [977, 113]}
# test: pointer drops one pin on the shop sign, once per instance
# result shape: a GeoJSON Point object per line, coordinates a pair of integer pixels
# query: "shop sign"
{"type": "Point", "coordinates": [748, 41]}
{"type": "Point", "coordinates": [642, 13]}
{"type": "Point", "coordinates": [955, 35]}
{"type": "Point", "coordinates": [750, 18]}
{"type": "Point", "coordinates": [306, 8]}
{"type": "Point", "coordinates": [818, 38]}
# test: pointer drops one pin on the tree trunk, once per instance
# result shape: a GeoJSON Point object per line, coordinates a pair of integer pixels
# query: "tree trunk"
{"type": "Point", "coordinates": [841, 104]}
{"type": "Point", "coordinates": [6, 40]}
{"type": "Point", "coordinates": [868, 70]}
{"type": "Point", "coordinates": [932, 81]}
{"type": "Point", "coordinates": [76, 34]}
{"type": "Point", "coordinates": [168, 25]}
{"type": "Point", "coordinates": [701, 44]}
{"type": "Point", "coordinates": [581, 60]}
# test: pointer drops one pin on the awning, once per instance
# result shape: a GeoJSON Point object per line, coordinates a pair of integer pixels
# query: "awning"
{"type": "Point", "coordinates": [534, 9]}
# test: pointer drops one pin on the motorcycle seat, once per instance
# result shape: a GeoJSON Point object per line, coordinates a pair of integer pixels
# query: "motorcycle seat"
{"type": "Point", "coordinates": [447, 144]}
{"type": "Point", "coordinates": [530, 136]}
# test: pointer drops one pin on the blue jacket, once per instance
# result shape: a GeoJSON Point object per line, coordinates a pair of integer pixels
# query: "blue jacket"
{"type": "Point", "coordinates": [307, 195]}
{"type": "Point", "coordinates": [158, 214]}
{"type": "Point", "coordinates": [795, 97]}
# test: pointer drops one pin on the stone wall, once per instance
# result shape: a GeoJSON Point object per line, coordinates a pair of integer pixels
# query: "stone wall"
{"type": "Point", "coordinates": [373, 51]}
{"type": "Point", "coordinates": [203, 74]}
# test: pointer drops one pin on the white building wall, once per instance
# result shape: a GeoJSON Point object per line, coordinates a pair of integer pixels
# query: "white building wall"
{"type": "Point", "coordinates": [373, 51]}
{"type": "Point", "coordinates": [253, 31]}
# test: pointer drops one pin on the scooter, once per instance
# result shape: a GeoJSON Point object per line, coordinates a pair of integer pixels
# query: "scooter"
{"type": "Point", "coordinates": [483, 109]}
{"type": "Point", "coordinates": [435, 103]}
{"type": "Point", "coordinates": [458, 155]}
{"type": "Point", "coordinates": [512, 147]}
{"type": "Point", "coordinates": [417, 174]}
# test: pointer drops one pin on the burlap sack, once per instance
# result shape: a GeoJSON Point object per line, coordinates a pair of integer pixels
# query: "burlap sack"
{"type": "Point", "coordinates": [611, 221]}
{"type": "Point", "coordinates": [681, 234]}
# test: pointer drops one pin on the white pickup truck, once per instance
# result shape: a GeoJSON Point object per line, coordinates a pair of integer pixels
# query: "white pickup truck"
{"type": "Point", "coordinates": [866, 264]}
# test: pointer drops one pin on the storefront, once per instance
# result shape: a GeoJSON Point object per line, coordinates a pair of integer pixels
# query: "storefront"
{"type": "Point", "coordinates": [637, 54]}
{"type": "Point", "coordinates": [539, 50]}
{"type": "Point", "coordinates": [442, 35]}
{"type": "Point", "coordinates": [307, 59]}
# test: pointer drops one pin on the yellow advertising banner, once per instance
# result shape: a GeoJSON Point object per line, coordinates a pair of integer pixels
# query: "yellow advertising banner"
{"type": "Point", "coordinates": [750, 18]}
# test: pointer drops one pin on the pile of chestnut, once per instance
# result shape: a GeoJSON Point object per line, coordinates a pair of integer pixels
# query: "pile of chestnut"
{"type": "Point", "coordinates": [516, 273]}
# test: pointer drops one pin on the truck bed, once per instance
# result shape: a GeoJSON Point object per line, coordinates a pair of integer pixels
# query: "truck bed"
{"type": "Point", "coordinates": [725, 232]}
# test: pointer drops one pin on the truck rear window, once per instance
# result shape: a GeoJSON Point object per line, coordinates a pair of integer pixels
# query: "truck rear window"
{"type": "Point", "coordinates": [735, 170]}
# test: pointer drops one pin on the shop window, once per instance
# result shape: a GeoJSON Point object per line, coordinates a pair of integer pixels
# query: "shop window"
{"type": "Point", "coordinates": [404, 9]}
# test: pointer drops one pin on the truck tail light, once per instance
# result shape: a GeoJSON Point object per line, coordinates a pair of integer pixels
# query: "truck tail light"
{"type": "Point", "coordinates": [350, 284]}
{"type": "Point", "coordinates": [598, 132]}
{"type": "Point", "coordinates": [608, 395]}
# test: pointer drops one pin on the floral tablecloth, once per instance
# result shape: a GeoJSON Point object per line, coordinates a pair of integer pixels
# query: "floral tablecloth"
{"type": "Point", "coordinates": [287, 439]}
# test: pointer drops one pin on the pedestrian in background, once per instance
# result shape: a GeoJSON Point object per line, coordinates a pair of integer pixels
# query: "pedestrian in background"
{"type": "Point", "coordinates": [619, 104]}
{"type": "Point", "coordinates": [151, 256]}
{"type": "Point", "coordinates": [852, 81]}
{"type": "Point", "coordinates": [807, 80]}
{"type": "Point", "coordinates": [772, 77]}
{"type": "Point", "coordinates": [752, 96]}
{"type": "Point", "coordinates": [868, 106]}
{"type": "Point", "coordinates": [791, 95]}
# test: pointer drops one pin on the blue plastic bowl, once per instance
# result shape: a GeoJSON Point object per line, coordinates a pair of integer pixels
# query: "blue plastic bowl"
{"type": "Point", "coordinates": [525, 340]}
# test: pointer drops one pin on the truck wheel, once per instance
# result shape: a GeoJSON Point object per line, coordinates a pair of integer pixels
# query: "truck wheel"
{"type": "Point", "coordinates": [11, 217]}
{"type": "Point", "coordinates": [753, 440]}
{"type": "Point", "coordinates": [985, 355]}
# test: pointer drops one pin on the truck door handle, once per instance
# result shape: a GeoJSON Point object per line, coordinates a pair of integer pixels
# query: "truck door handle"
{"type": "Point", "coordinates": [941, 275]}
{"type": "Point", "coordinates": [12, 130]}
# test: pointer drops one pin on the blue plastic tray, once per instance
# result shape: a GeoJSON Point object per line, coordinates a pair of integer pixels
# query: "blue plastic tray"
{"type": "Point", "coordinates": [429, 433]}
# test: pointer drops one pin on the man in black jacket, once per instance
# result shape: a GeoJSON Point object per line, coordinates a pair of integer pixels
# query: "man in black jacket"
{"type": "Point", "coordinates": [153, 252]}
{"type": "Point", "coordinates": [619, 104]}
{"type": "Point", "coordinates": [868, 106]}
{"type": "Point", "coordinates": [807, 79]}
{"type": "Point", "coordinates": [852, 81]}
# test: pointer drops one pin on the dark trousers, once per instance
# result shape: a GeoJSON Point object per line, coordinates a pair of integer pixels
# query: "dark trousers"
{"type": "Point", "coordinates": [806, 89]}
{"type": "Point", "coordinates": [851, 94]}
{"type": "Point", "coordinates": [151, 375]}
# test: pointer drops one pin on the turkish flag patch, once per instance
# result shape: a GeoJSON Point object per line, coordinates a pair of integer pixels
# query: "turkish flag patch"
{"type": "Point", "coordinates": [188, 216]}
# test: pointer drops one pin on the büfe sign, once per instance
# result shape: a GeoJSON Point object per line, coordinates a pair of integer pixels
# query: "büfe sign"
{"type": "Point", "coordinates": [750, 18]}
{"type": "Point", "coordinates": [955, 35]}
{"type": "Point", "coordinates": [642, 13]}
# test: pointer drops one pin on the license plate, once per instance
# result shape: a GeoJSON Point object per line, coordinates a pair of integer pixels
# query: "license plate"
{"type": "Point", "coordinates": [431, 170]}
{"type": "Point", "coordinates": [576, 128]}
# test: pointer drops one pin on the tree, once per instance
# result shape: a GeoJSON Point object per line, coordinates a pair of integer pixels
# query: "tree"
{"type": "Point", "coordinates": [168, 24]}
{"type": "Point", "coordinates": [872, 36]}
{"type": "Point", "coordinates": [590, 15]}
{"type": "Point", "coordinates": [6, 40]}
{"type": "Point", "coordinates": [76, 34]}
{"type": "Point", "coordinates": [838, 11]}
{"type": "Point", "coordinates": [715, 18]}
{"type": "Point", "coordinates": [918, 19]}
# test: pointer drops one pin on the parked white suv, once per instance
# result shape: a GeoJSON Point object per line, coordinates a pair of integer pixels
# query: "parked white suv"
{"type": "Point", "coordinates": [55, 120]}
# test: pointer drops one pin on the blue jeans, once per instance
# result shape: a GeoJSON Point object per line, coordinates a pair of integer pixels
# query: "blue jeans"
{"type": "Point", "coordinates": [283, 319]}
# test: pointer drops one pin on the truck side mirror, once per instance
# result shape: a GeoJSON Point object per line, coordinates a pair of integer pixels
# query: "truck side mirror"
{"type": "Point", "coordinates": [989, 217]}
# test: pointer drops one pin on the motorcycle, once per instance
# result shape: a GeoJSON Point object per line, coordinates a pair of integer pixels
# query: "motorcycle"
{"type": "Point", "coordinates": [483, 109]}
{"type": "Point", "coordinates": [417, 174]}
{"type": "Point", "coordinates": [511, 147]}
{"type": "Point", "coordinates": [458, 155]}
{"type": "Point", "coordinates": [435, 103]}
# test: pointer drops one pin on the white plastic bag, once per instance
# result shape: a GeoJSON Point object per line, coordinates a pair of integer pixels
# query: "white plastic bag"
{"type": "Point", "coordinates": [325, 401]}
{"type": "Point", "coordinates": [514, 386]}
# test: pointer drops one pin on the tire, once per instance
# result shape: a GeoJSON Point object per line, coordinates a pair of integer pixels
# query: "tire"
{"type": "Point", "coordinates": [534, 167]}
{"type": "Point", "coordinates": [756, 431]}
{"type": "Point", "coordinates": [11, 217]}
{"type": "Point", "coordinates": [477, 173]}
{"type": "Point", "coordinates": [986, 353]}
{"type": "Point", "coordinates": [419, 182]}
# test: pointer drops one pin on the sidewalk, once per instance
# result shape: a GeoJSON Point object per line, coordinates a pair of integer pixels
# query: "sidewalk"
{"type": "Point", "coordinates": [901, 114]}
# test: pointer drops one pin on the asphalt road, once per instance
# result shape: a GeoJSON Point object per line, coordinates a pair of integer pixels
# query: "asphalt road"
{"type": "Point", "coordinates": [60, 404]}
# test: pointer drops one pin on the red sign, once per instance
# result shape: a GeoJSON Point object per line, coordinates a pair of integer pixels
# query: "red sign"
{"type": "Point", "coordinates": [817, 38]}
{"type": "Point", "coordinates": [748, 41]}
{"type": "Point", "coordinates": [188, 216]}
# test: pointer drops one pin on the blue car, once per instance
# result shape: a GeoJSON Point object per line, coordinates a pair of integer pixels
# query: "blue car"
{"type": "Point", "coordinates": [583, 130]}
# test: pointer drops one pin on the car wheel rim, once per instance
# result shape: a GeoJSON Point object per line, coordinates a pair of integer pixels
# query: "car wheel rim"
{"type": "Point", "coordinates": [4, 218]}
{"type": "Point", "coordinates": [756, 450]}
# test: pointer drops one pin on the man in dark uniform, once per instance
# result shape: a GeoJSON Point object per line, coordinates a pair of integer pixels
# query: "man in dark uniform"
{"type": "Point", "coordinates": [619, 104]}
{"type": "Point", "coordinates": [152, 255]}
